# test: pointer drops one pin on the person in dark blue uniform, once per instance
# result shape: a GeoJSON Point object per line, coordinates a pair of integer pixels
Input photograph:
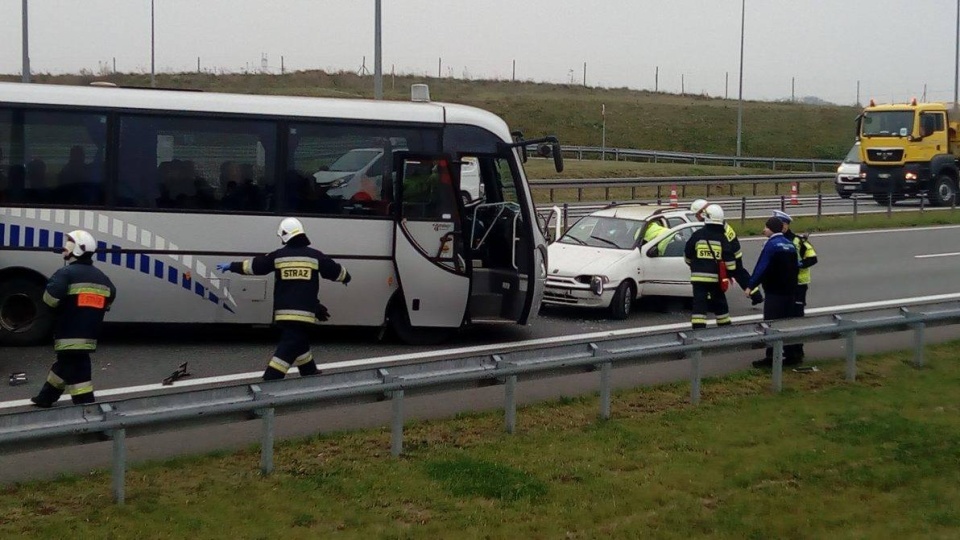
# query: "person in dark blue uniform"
{"type": "Point", "coordinates": [297, 268]}
{"type": "Point", "coordinates": [776, 271]}
{"type": "Point", "coordinates": [80, 295]}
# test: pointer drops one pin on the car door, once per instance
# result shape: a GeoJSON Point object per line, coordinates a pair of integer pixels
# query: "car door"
{"type": "Point", "coordinates": [662, 269]}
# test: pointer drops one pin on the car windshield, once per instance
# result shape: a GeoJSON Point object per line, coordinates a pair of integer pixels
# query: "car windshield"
{"type": "Point", "coordinates": [353, 160]}
{"type": "Point", "coordinates": [853, 156]}
{"type": "Point", "coordinates": [887, 124]}
{"type": "Point", "coordinates": [608, 232]}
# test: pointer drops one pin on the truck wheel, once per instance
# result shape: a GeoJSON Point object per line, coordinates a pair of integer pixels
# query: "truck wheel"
{"type": "Point", "coordinates": [944, 191]}
{"type": "Point", "coordinates": [622, 303]}
{"type": "Point", "coordinates": [24, 318]}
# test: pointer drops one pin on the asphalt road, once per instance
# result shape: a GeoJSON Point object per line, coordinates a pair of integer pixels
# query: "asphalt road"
{"type": "Point", "coordinates": [855, 268]}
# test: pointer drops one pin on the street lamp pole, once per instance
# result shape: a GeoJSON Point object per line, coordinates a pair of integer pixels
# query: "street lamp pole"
{"type": "Point", "coordinates": [377, 60]}
{"type": "Point", "coordinates": [743, 6]}
{"type": "Point", "coordinates": [26, 46]}
{"type": "Point", "coordinates": [956, 59]}
{"type": "Point", "coordinates": [153, 62]}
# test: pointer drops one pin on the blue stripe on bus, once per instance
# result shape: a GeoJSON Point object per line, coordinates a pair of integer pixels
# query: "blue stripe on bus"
{"type": "Point", "coordinates": [35, 237]}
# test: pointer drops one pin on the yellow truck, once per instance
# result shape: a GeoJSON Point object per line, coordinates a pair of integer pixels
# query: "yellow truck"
{"type": "Point", "coordinates": [909, 150]}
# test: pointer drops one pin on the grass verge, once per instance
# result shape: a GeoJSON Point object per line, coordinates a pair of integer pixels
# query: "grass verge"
{"type": "Point", "coordinates": [826, 459]}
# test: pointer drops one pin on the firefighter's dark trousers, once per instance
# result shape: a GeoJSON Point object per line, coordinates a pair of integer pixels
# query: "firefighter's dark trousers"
{"type": "Point", "coordinates": [293, 350]}
{"type": "Point", "coordinates": [707, 297]}
{"type": "Point", "coordinates": [782, 306]}
{"type": "Point", "coordinates": [70, 374]}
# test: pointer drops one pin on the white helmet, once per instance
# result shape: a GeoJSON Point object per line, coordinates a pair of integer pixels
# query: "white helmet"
{"type": "Point", "coordinates": [78, 244]}
{"type": "Point", "coordinates": [289, 228]}
{"type": "Point", "coordinates": [713, 214]}
{"type": "Point", "coordinates": [698, 205]}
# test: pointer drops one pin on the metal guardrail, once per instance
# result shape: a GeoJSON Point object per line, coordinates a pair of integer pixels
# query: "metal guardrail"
{"type": "Point", "coordinates": [682, 182]}
{"type": "Point", "coordinates": [661, 156]}
{"type": "Point", "coordinates": [117, 420]}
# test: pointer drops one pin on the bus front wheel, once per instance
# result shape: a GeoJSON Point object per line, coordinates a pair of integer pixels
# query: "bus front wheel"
{"type": "Point", "coordinates": [399, 321]}
{"type": "Point", "coordinates": [24, 318]}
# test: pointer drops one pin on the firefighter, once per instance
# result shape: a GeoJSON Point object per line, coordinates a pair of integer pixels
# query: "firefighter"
{"type": "Point", "coordinates": [776, 270]}
{"type": "Point", "coordinates": [297, 268]}
{"type": "Point", "coordinates": [706, 252]}
{"type": "Point", "coordinates": [808, 258]}
{"type": "Point", "coordinates": [80, 295]}
{"type": "Point", "coordinates": [740, 275]}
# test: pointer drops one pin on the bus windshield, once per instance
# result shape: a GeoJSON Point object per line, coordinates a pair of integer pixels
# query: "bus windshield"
{"type": "Point", "coordinates": [887, 124]}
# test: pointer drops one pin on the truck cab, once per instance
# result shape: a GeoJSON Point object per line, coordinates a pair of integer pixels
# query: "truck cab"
{"type": "Point", "coordinates": [909, 150]}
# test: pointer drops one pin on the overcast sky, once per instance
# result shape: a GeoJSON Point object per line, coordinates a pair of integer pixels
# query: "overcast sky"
{"type": "Point", "coordinates": [893, 47]}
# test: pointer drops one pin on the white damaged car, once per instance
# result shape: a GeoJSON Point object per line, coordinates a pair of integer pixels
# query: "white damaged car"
{"type": "Point", "coordinates": [603, 261]}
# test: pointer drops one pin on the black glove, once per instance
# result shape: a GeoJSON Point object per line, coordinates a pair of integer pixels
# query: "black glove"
{"type": "Point", "coordinates": [346, 279]}
{"type": "Point", "coordinates": [323, 314]}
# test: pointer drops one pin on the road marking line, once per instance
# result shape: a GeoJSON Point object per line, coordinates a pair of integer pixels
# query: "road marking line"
{"type": "Point", "coordinates": [488, 349]}
{"type": "Point", "coordinates": [955, 254]}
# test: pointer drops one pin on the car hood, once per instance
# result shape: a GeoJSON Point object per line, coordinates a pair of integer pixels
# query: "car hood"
{"type": "Point", "coordinates": [328, 177]}
{"type": "Point", "coordinates": [571, 260]}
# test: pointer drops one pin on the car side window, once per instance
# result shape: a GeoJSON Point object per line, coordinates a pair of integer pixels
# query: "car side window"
{"type": "Point", "coordinates": [674, 244]}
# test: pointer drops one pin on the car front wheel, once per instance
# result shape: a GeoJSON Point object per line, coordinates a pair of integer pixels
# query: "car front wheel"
{"type": "Point", "coordinates": [622, 303]}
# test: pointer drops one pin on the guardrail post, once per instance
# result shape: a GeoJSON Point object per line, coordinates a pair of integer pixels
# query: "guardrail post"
{"type": "Point", "coordinates": [783, 202]}
{"type": "Point", "coordinates": [551, 194]}
{"type": "Point", "coordinates": [754, 189]}
{"type": "Point", "coordinates": [266, 440]}
{"type": "Point", "coordinates": [855, 200]}
{"type": "Point", "coordinates": [922, 199]}
{"type": "Point", "coordinates": [119, 464]}
{"type": "Point", "coordinates": [918, 336]}
{"type": "Point", "coordinates": [510, 404]}
{"type": "Point", "coordinates": [819, 206]}
{"type": "Point", "coordinates": [579, 194]}
{"type": "Point", "coordinates": [566, 218]}
{"type": "Point", "coordinates": [659, 195]}
{"type": "Point", "coordinates": [777, 366]}
{"type": "Point", "coordinates": [605, 369]}
{"type": "Point", "coordinates": [743, 210]}
{"type": "Point", "coordinates": [633, 192]}
{"type": "Point", "coordinates": [695, 359]}
{"type": "Point", "coordinates": [851, 355]}
{"type": "Point", "coordinates": [396, 422]}
{"type": "Point", "coordinates": [606, 193]}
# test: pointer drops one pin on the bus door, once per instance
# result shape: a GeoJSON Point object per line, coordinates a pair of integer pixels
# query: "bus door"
{"type": "Point", "coordinates": [428, 242]}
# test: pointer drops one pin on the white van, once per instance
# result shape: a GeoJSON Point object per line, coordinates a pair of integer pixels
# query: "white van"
{"type": "Point", "coordinates": [848, 173]}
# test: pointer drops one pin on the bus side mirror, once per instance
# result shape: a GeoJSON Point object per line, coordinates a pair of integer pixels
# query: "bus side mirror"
{"type": "Point", "coordinates": [545, 150]}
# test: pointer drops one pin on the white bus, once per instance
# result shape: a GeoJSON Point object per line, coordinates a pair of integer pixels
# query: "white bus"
{"type": "Point", "coordinates": [173, 182]}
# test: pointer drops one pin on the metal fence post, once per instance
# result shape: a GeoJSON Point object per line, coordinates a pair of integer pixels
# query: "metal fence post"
{"type": "Point", "coordinates": [778, 366]}
{"type": "Point", "coordinates": [743, 210]}
{"type": "Point", "coordinates": [922, 199]}
{"type": "Point", "coordinates": [605, 390]}
{"type": "Point", "coordinates": [695, 360]}
{"type": "Point", "coordinates": [119, 464]}
{"type": "Point", "coordinates": [510, 404]}
{"type": "Point", "coordinates": [579, 194]}
{"type": "Point", "coordinates": [854, 207]}
{"type": "Point", "coordinates": [819, 206]}
{"type": "Point", "coordinates": [266, 439]}
{"type": "Point", "coordinates": [783, 203]}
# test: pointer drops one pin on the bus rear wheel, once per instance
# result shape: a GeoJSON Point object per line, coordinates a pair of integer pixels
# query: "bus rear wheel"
{"type": "Point", "coordinates": [24, 318]}
{"type": "Point", "coordinates": [399, 322]}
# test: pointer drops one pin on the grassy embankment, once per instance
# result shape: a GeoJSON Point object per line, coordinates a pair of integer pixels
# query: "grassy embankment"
{"type": "Point", "coordinates": [826, 459]}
